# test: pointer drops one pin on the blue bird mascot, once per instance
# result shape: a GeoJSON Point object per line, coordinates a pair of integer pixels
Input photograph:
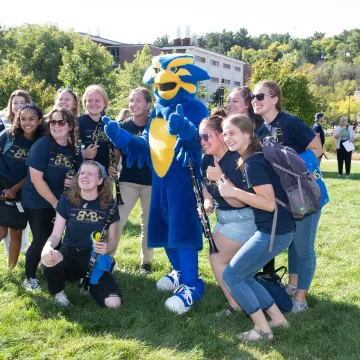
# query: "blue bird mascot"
{"type": "Point", "coordinates": [168, 143]}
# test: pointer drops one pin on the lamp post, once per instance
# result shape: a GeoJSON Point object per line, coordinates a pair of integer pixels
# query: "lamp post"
{"type": "Point", "coordinates": [349, 95]}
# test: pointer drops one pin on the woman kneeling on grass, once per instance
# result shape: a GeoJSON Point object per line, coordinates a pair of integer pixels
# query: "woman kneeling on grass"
{"type": "Point", "coordinates": [263, 186]}
{"type": "Point", "coordinates": [83, 211]}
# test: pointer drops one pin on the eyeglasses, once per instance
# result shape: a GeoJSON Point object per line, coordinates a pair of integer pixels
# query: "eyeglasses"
{"type": "Point", "coordinates": [260, 96]}
{"type": "Point", "coordinates": [65, 89]}
{"type": "Point", "coordinates": [31, 106]}
{"type": "Point", "coordinates": [205, 137]}
{"type": "Point", "coordinates": [61, 123]}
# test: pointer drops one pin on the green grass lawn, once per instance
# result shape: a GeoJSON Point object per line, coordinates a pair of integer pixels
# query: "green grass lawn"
{"type": "Point", "coordinates": [33, 327]}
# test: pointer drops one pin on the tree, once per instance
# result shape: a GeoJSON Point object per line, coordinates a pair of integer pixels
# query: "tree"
{"type": "Point", "coordinates": [87, 63]}
{"type": "Point", "coordinates": [131, 77]}
{"type": "Point", "coordinates": [36, 49]}
{"type": "Point", "coordinates": [297, 95]}
{"type": "Point", "coordinates": [162, 41]}
{"type": "Point", "coordinates": [11, 79]}
{"type": "Point", "coordinates": [235, 52]}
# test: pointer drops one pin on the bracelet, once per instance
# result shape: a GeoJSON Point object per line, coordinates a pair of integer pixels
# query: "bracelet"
{"type": "Point", "coordinates": [219, 182]}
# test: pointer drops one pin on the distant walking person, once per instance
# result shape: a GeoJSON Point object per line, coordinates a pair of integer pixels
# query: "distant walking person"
{"type": "Point", "coordinates": [343, 133]}
{"type": "Point", "coordinates": [319, 131]}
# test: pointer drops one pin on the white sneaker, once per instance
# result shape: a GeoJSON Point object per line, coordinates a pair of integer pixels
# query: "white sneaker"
{"type": "Point", "coordinates": [61, 299]}
{"type": "Point", "coordinates": [181, 301]}
{"type": "Point", "coordinates": [169, 282]}
{"type": "Point", "coordinates": [31, 284]}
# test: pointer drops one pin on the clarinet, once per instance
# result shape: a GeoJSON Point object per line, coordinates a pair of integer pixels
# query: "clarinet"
{"type": "Point", "coordinates": [203, 217]}
{"type": "Point", "coordinates": [96, 133]}
{"type": "Point", "coordinates": [85, 284]}
{"type": "Point", "coordinates": [119, 199]}
{"type": "Point", "coordinates": [279, 134]}
{"type": "Point", "coordinates": [72, 170]}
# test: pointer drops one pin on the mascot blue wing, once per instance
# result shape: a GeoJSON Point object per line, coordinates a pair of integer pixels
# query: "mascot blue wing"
{"type": "Point", "coordinates": [188, 146]}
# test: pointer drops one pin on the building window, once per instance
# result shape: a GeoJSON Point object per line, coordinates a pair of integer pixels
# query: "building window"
{"type": "Point", "coordinates": [200, 59]}
{"type": "Point", "coordinates": [114, 51]}
{"type": "Point", "coordinates": [237, 83]}
{"type": "Point", "coordinates": [238, 68]}
{"type": "Point", "coordinates": [214, 80]}
{"type": "Point", "coordinates": [226, 82]}
{"type": "Point", "coordinates": [227, 66]}
{"type": "Point", "coordinates": [214, 62]}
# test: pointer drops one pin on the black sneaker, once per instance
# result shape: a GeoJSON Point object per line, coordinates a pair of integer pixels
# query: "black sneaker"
{"type": "Point", "coordinates": [145, 269]}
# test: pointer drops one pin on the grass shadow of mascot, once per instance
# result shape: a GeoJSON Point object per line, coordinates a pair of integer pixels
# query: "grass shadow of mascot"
{"type": "Point", "coordinates": [168, 142]}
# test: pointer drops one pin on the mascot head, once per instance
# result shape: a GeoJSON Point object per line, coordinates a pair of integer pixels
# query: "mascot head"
{"type": "Point", "coordinates": [174, 77]}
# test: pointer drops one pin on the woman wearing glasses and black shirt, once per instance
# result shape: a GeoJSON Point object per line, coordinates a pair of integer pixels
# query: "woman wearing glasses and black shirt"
{"type": "Point", "coordinates": [266, 101]}
{"type": "Point", "coordinates": [49, 162]}
{"type": "Point", "coordinates": [235, 220]}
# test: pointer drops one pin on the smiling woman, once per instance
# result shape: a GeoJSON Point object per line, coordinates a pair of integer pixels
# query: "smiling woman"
{"type": "Point", "coordinates": [49, 162]}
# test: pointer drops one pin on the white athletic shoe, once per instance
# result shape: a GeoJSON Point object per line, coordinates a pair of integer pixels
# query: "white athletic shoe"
{"type": "Point", "coordinates": [31, 284]}
{"type": "Point", "coordinates": [181, 301]}
{"type": "Point", "coordinates": [169, 282]}
{"type": "Point", "coordinates": [61, 299]}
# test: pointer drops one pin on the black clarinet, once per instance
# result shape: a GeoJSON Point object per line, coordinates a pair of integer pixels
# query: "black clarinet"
{"type": "Point", "coordinates": [72, 171]}
{"type": "Point", "coordinates": [96, 133]}
{"type": "Point", "coordinates": [279, 134]}
{"type": "Point", "coordinates": [85, 283]}
{"type": "Point", "coordinates": [203, 217]}
{"type": "Point", "coordinates": [119, 199]}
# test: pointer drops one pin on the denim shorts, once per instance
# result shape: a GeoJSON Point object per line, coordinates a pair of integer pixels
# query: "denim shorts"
{"type": "Point", "coordinates": [237, 225]}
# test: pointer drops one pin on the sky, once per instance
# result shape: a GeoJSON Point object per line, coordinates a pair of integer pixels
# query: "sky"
{"type": "Point", "coordinates": [142, 21]}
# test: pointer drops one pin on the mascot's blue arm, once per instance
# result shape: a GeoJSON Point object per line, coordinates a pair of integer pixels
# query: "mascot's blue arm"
{"type": "Point", "coordinates": [134, 147]}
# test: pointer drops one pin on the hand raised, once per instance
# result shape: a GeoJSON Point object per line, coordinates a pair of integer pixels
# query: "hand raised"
{"type": "Point", "coordinates": [214, 173]}
{"type": "Point", "coordinates": [177, 121]}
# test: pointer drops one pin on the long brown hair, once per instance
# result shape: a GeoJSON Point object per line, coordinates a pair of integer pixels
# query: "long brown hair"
{"type": "Point", "coordinates": [247, 127]}
{"type": "Point", "coordinates": [8, 112]}
{"type": "Point", "coordinates": [274, 89]}
{"type": "Point", "coordinates": [245, 93]}
{"type": "Point", "coordinates": [105, 189]}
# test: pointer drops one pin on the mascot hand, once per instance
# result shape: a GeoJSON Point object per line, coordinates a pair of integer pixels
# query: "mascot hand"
{"type": "Point", "coordinates": [177, 121]}
{"type": "Point", "coordinates": [119, 137]}
{"type": "Point", "coordinates": [183, 154]}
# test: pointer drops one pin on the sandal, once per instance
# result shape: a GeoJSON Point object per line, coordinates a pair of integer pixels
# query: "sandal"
{"type": "Point", "coordinates": [228, 311]}
{"type": "Point", "coordinates": [285, 324]}
{"type": "Point", "coordinates": [255, 335]}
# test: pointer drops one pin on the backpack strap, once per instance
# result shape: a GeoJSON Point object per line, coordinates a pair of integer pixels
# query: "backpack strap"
{"type": "Point", "coordinates": [273, 227]}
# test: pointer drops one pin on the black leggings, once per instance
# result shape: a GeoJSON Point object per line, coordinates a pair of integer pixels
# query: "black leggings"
{"type": "Point", "coordinates": [41, 225]}
{"type": "Point", "coordinates": [342, 155]}
{"type": "Point", "coordinates": [73, 267]}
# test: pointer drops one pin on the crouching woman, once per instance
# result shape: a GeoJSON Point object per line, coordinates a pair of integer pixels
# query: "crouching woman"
{"type": "Point", "coordinates": [263, 187]}
{"type": "Point", "coordinates": [83, 211]}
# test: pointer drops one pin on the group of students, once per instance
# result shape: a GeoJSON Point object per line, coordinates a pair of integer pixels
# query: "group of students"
{"type": "Point", "coordinates": [238, 182]}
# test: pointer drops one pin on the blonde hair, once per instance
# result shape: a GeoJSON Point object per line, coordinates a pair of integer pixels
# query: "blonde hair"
{"type": "Point", "coordinates": [123, 114]}
{"type": "Point", "coordinates": [105, 189]}
{"type": "Point", "coordinates": [245, 125]}
{"type": "Point", "coordinates": [100, 90]}
{"type": "Point", "coordinates": [342, 120]}
{"type": "Point", "coordinates": [274, 89]}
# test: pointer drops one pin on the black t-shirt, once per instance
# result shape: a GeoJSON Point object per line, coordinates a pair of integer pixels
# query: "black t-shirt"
{"type": "Point", "coordinates": [13, 162]}
{"type": "Point", "coordinates": [228, 165]}
{"type": "Point", "coordinates": [83, 220]}
{"type": "Point", "coordinates": [87, 127]}
{"type": "Point", "coordinates": [296, 134]}
{"type": "Point", "coordinates": [258, 171]}
{"type": "Point", "coordinates": [134, 174]}
{"type": "Point", "coordinates": [53, 164]}
{"type": "Point", "coordinates": [318, 129]}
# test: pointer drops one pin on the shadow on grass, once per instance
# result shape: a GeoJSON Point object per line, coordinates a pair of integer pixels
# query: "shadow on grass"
{"type": "Point", "coordinates": [321, 332]}
{"type": "Point", "coordinates": [143, 318]}
{"type": "Point", "coordinates": [132, 229]}
{"type": "Point", "coordinates": [334, 175]}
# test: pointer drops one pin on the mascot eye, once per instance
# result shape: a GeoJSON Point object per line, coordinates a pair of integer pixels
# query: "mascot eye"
{"type": "Point", "coordinates": [174, 69]}
{"type": "Point", "coordinates": [157, 70]}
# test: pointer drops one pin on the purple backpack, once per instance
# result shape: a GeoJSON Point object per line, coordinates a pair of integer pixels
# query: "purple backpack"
{"type": "Point", "coordinates": [298, 183]}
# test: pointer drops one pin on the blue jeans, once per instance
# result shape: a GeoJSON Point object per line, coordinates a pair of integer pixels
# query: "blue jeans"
{"type": "Point", "coordinates": [301, 258]}
{"type": "Point", "coordinates": [239, 278]}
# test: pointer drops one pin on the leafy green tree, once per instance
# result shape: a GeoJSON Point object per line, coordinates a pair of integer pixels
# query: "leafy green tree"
{"type": "Point", "coordinates": [87, 63]}
{"type": "Point", "coordinates": [297, 95]}
{"type": "Point", "coordinates": [11, 79]}
{"type": "Point", "coordinates": [235, 52]}
{"type": "Point", "coordinates": [131, 77]}
{"type": "Point", "coordinates": [36, 49]}
{"type": "Point", "coordinates": [162, 41]}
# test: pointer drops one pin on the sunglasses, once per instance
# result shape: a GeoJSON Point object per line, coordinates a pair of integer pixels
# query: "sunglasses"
{"type": "Point", "coordinates": [259, 96]}
{"type": "Point", "coordinates": [61, 123]}
{"type": "Point", "coordinates": [31, 106]}
{"type": "Point", "coordinates": [65, 89]}
{"type": "Point", "coordinates": [205, 137]}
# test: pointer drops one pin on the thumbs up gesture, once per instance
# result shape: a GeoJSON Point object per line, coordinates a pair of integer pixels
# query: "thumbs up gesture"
{"type": "Point", "coordinates": [226, 188]}
{"type": "Point", "coordinates": [214, 173]}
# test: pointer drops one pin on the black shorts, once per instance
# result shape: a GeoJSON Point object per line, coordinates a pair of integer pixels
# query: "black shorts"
{"type": "Point", "coordinates": [74, 267]}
